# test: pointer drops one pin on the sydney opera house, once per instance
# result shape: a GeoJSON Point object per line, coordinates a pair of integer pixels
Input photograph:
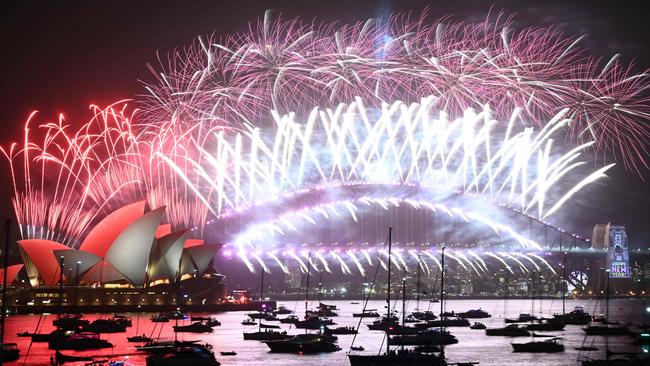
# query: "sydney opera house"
{"type": "Point", "coordinates": [128, 259]}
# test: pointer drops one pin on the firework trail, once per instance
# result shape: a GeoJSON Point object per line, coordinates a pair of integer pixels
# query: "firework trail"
{"type": "Point", "coordinates": [234, 81]}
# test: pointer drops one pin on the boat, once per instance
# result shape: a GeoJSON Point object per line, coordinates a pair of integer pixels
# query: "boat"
{"type": "Point", "coordinates": [260, 315]}
{"type": "Point", "coordinates": [24, 334]}
{"type": "Point", "coordinates": [366, 314]}
{"type": "Point", "coordinates": [546, 346]}
{"type": "Point", "coordinates": [424, 315]}
{"type": "Point", "coordinates": [304, 343]}
{"type": "Point", "coordinates": [78, 341]}
{"type": "Point", "coordinates": [512, 330]}
{"type": "Point", "coordinates": [269, 326]}
{"type": "Point", "coordinates": [211, 322]}
{"type": "Point", "coordinates": [195, 355]}
{"type": "Point", "coordinates": [357, 348]}
{"type": "Point", "coordinates": [70, 322]}
{"type": "Point", "coordinates": [545, 326]}
{"type": "Point", "coordinates": [159, 318]}
{"type": "Point", "coordinates": [523, 318]}
{"type": "Point", "coordinates": [447, 322]}
{"type": "Point", "coordinates": [266, 335]}
{"type": "Point", "coordinates": [606, 330]}
{"type": "Point", "coordinates": [578, 316]}
{"type": "Point", "coordinates": [139, 339]}
{"type": "Point", "coordinates": [477, 325]}
{"type": "Point", "coordinates": [398, 357]}
{"type": "Point", "coordinates": [196, 327]}
{"type": "Point", "coordinates": [63, 358]}
{"type": "Point", "coordinates": [354, 303]}
{"type": "Point", "coordinates": [156, 347]}
{"type": "Point", "coordinates": [474, 314]}
{"type": "Point", "coordinates": [9, 352]}
{"type": "Point", "coordinates": [228, 353]}
{"type": "Point", "coordinates": [313, 322]}
{"type": "Point", "coordinates": [424, 337]}
{"type": "Point", "coordinates": [107, 326]}
{"type": "Point", "coordinates": [291, 319]}
{"type": "Point", "coordinates": [250, 322]}
{"type": "Point", "coordinates": [282, 310]}
{"type": "Point", "coordinates": [340, 330]}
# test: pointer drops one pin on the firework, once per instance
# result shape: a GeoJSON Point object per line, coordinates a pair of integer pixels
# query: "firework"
{"type": "Point", "coordinates": [287, 66]}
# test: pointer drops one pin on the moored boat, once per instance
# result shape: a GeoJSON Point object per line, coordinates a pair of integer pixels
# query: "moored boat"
{"type": "Point", "coordinates": [545, 346]}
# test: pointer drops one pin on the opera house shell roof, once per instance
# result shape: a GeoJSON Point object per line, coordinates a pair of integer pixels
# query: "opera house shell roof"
{"type": "Point", "coordinates": [129, 245]}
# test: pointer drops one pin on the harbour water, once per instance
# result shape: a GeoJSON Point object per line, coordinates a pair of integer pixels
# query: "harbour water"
{"type": "Point", "coordinates": [473, 345]}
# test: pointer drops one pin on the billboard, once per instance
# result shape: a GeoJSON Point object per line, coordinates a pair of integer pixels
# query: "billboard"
{"type": "Point", "coordinates": [618, 258]}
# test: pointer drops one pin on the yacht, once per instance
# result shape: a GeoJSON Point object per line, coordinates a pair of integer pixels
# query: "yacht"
{"type": "Point", "coordinates": [340, 330]}
{"type": "Point", "coordinates": [139, 339]}
{"type": "Point", "coordinates": [265, 335]}
{"type": "Point", "coordinates": [282, 310]}
{"type": "Point", "coordinates": [578, 316]}
{"type": "Point", "coordinates": [546, 346]}
{"type": "Point", "coordinates": [291, 319]}
{"type": "Point", "coordinates": [474, 314]}
{"type": "Point", "coordinates": [512, 330]}
{"type": "Point", "coordinates": [195, 355]}
{"type": "Point", "coordinates": [425, 337]}
{"type": "Point", "coordinates": [113, 325]}
{"type": "Point", "coordinates": [477, 325]}
{"type": "Point", "coordinates": [70, 322]}
{"type": "Point", "coordinates": [305, 343]}
{"type": "Point", "coordinates": [78, 341]}
{"type": "Point", "coordinates": [196, 327]}
{"type": "Point", "coordinates": [367, 314]}
{"type": "Point", "coordinates": [523, 318]}
{"type": "Point", "coordinates": [399, 357]}
{"type": "Point", "coordinates": [545, 326]}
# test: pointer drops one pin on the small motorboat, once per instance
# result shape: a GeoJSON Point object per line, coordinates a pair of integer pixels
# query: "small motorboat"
{"type": "Point", "coordinates": [357, 348]}
{"type": "Point", "coordinates": [139, 339]}
{"type": "Point", "coordinates": [477, 325]}
{"type": "Point", "coordinates": [160, 318]}
{"type": "Point", "coordinates": [269, 326]}
{"type": "Point", "coordinates": [367, 314]}
{"type": "Point", "coordinates": [23, 334]}
{"type": "Point", "coordinates": [291, 319]}
{"type": "Point", "coordinates": [228, 353]}
{"type": "Point", "coordinates": [249, 322]}
{"type": "Point", "coordinates": [354, 303]}
{"type": "Point", "coordinates": [474, 314]}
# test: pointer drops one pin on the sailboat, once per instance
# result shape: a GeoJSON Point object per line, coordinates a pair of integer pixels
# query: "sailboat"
{"type": "Point", "coordinates": [401, 356]}
{"type": "Point", "coordinates": [266, 334]}
{"type": "Point", "coordinates": [541, 324]}
{"type": "Point", "coordinates": [137, 337]}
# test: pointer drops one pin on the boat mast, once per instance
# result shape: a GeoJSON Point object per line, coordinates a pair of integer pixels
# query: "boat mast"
{"type": "Point", "coordinates": [390, 246]}
{"type": "Point", "coordinates": [442, 298]}
{"type": "Point", "coordinates": [307, 289]}
{"type": "Point", "coordinates": [417, 287]}
{"type": "Point", "coordinates": [5, 261]}
{"type": "Point", "coordinates": [607, 313]}
{"type": "Point", "coordinates": [564, 283]}
{"type": "Point", "coordinates": [403, 303]}
{"type": "Point", "coordinates": [259, 320]}
{"type": "Point", "coordinates": [320, 288]}
{"type": "Point", "coordinates": [532, 291]}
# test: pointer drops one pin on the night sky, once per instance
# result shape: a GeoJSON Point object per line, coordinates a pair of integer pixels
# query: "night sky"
{"type": "Point", "coordinates": [62, 56]}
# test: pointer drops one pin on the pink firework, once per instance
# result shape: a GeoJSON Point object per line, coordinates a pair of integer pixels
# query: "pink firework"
{"type": "Point", "coordinates": [294, 66]}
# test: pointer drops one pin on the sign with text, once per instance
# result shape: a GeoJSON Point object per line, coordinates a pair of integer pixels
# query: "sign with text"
{"type": "Point", "coordinates": [618, 258]}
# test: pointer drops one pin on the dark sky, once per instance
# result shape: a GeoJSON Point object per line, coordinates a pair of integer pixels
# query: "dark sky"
{"type": "Point", "coordinates": [62, 56]}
